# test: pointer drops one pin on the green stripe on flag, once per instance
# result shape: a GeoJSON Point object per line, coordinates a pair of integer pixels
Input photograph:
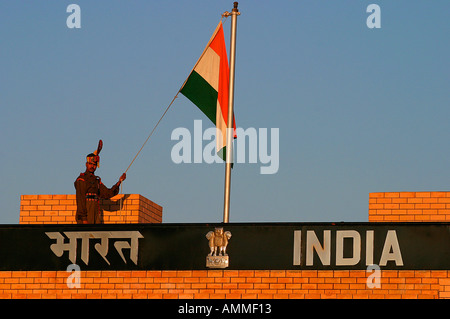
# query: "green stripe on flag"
{"type": "Point", "coordinates": [202, 94]}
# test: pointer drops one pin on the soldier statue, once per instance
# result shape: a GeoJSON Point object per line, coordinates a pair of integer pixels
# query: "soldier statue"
{"type": "Point", "coordinates": [90, 189]}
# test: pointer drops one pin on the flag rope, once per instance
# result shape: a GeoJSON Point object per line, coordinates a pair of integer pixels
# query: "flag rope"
{"type": "Point", "coordinates": [224, 18]}
{"type": "Point", "coordinates": [137, 154]}
{"type": "Point", "coordinates": [225, 15]}
{"type": "Point", "coordinates": [151, 133]}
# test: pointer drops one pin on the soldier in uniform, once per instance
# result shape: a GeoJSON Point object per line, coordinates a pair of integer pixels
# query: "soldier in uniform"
{"type": "Point", "coordinates": [90, 189]}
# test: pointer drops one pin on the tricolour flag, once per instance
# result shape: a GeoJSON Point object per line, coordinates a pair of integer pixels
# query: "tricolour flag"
{"type": "Point", "coordinates": [208, 84]}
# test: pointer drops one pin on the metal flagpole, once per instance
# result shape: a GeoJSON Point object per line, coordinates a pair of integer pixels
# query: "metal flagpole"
{"type": "Point", "coordinates": [229, 148]}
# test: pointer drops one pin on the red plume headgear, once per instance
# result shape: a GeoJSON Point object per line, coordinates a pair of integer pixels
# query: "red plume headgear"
{"type": "Point", "coordinates": [94, 157]}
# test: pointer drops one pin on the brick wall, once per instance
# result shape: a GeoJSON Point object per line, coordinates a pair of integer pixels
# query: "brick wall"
{"type": "Point", "coordinates": [255, 284]}
{"type": "Point", "coordinates": [225, 284]}
{"type": "Point", "coordinates": [409, 207]}
{"type": "Point", "coordinates": [61, 209]}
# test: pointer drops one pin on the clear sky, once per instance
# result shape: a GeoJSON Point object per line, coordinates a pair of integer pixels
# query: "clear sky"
{"type": "Point", "coordinates": [359, 110]}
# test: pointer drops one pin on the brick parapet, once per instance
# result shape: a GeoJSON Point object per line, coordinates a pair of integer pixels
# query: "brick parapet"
{"type": "Point", "coordinates": [409, 207]}
{"type": "Point", "coordinates": [61, 209]}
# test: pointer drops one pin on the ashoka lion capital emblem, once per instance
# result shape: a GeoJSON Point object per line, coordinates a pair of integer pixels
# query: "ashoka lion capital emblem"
{"type": "Point", "coordinates": [218, 242]}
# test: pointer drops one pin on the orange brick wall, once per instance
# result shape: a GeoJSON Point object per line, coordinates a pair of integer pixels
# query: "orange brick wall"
{"type": "Point", "coordinates": [225, 284]}
{"type": "Point", "coordinates": [409, 207]}
{"type": "Point", "coordinates": [236, 284]}
{"type": "Point", "coordinates": [61, 209]}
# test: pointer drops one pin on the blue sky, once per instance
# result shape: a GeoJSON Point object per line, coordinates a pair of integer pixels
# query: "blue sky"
{"type": "Point", "coordinates": [359, 110]}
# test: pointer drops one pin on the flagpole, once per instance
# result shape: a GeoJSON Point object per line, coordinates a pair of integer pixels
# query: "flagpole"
{"type": "Point", "coordinates": [229, 148]}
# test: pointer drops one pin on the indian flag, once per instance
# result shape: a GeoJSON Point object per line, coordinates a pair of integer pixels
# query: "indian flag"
{"type": "Point", "coordinates": [207, 86]}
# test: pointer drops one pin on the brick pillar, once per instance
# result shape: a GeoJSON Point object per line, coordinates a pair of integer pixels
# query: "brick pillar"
{"type": "Point", "coordinates": [409, 207]}
{"type": "Point", "coordinates": [61, 209]}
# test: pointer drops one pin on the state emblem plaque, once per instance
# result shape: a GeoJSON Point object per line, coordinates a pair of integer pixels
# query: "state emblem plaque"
{"type": "Point", "coordinates": [218, 242]}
